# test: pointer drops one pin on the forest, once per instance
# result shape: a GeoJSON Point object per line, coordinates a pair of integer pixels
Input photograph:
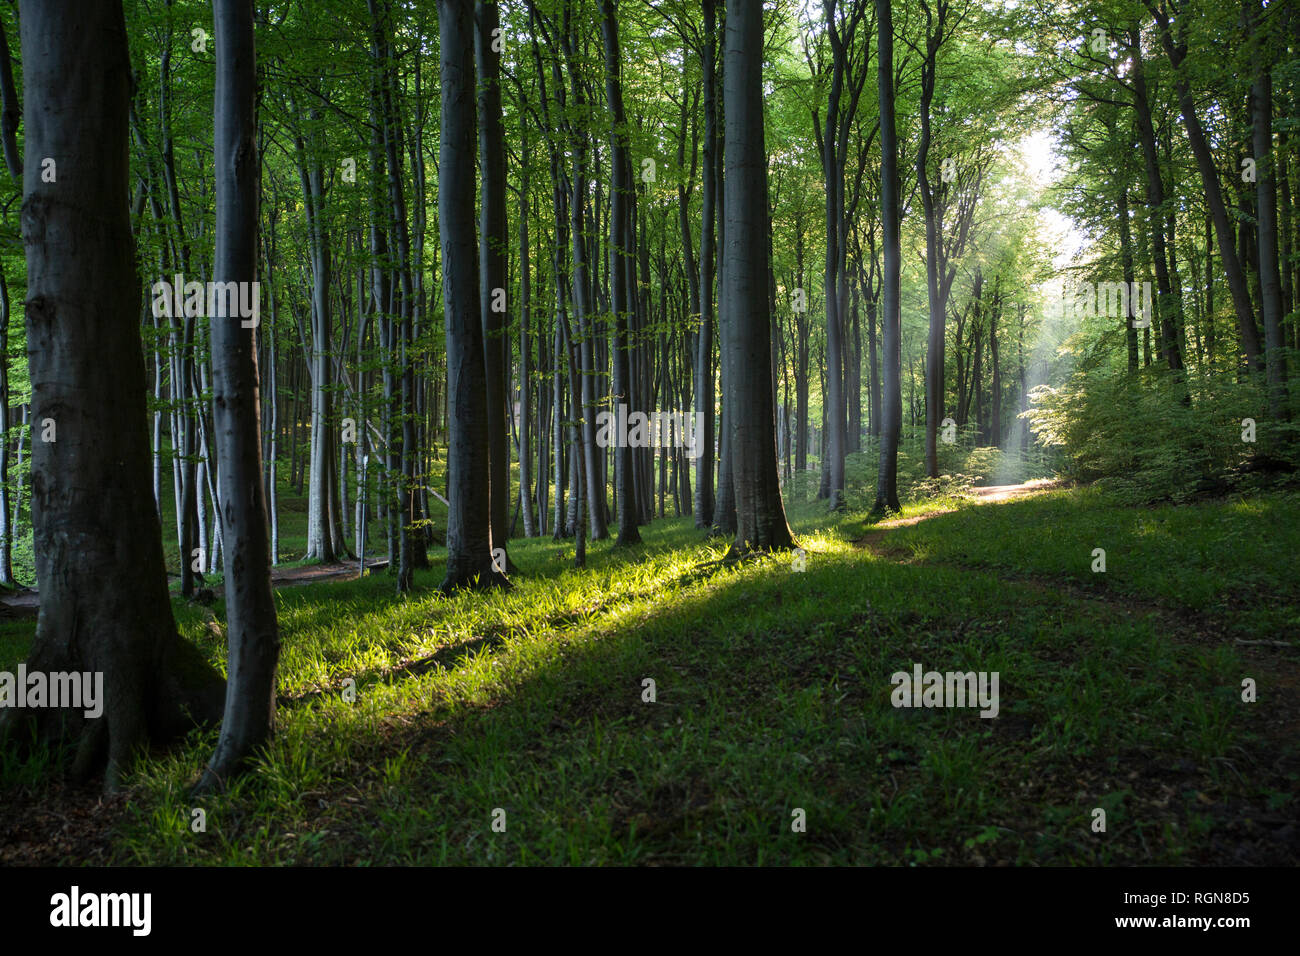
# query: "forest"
{"type": "Point", "coordinates": [649, 432]}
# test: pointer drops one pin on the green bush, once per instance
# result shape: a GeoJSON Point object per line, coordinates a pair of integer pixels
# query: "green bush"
{"type": "Point", "coordinates": [1159, 435]}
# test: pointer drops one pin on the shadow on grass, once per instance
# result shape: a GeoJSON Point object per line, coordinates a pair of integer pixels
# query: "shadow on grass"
{"type": "Point", "coordinates": [772, 695]}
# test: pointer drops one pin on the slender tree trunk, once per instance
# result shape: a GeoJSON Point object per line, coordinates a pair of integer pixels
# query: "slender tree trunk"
{"type": "Point", "coordinates": [320, 539]}
{"type": "Point", "coordinates": [620, 253]}
{"type": "Point", "coordinates": [1270, 277]}
{"type": "Point", "coordinates": [525, 372]}
{"type": "Point", "coordinates": [251, 629]}
{"type": "Point", "coordinates": [892, 403]}
{"type": "Point", "coordinates": [7, 528]}
{"type": "Point", "coordinates": [934, 262]}
{"type": "Point", "coordinates": [703, 373]}
{"type": "Point", "coordinates": [1236, 276]}
{"type": "Point", "coordinates": [1126, 259]}
{"type": "Point", "coordinates": [493, 240]}
{"type": "Point", "coordinates": [1166, 305]}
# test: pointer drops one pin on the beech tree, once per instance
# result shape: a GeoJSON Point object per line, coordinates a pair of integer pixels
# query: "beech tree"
{"type": "Point", "coordinates": [890, 319]}
{"type": "Point", "coordinates": [252, 633]}
{"type": "Point", "coordinates": [493, 242]}
{"type": "Point", "coordinates": [746, 319]}
{"type": "Point", "coordinates": [620, 251]}
{"type": "Point", "coordinates": [587, 190]}
{"type": "Point", "coordinates": [469, 528]}
{"type": "Point", "coordinates": [98, 539]}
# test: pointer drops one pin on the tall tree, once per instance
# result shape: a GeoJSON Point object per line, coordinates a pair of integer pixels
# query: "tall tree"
{"type": "Point", "coordinates": [97, 536]}
{"type": "Point", "coordinates": [747, 321]}
{"type": "Point", "coordinates": [1171, 16]}
{"type": "Point", "coordinates": [620, 256]}
{"type": "Point", "coordinates": [703, 371]}
{"type": "Point", "coordinates": [847, 81]}
{"type": "Point", "coordinates": [493, 240]}
{"type": "Point", "coordinates": [890, 317]}
{"type": "Point", "coordinates": [252, 633]}
{"type": "Point", "coordinates": [469, 528]}
{"type": "Point", "coordinates": [1266, 176]}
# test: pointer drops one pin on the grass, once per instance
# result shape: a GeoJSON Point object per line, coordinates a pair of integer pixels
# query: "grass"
{"type": "Point", "coordinates": [1225, 559]}
{"type": "Point", "coordinates": [771, 696]}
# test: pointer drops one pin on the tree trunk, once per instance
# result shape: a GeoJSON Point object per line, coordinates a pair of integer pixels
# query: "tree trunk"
{"type": "Point", "coordinates": [252, 633]}
{"type": "Point", "coordinates": [620, 259]}
{"type": "Point", "coordinates": [7, 528]}
{"type": "Point", "coordinates": [493, 240]}
{"type": "Point", "coordinates": [890, 319]}
{"type": "Point", "coordinates": [750, 409]}
{"type": "Point", "coordinates": [1237, 287]}
{"type": "Point", "coordinates": [703, 373]}
{"type": "Point", "coordinates": [97, 535]}
{"type": "Point", "coordinates": [1270, 277]}
{"type": "Point", "coordinates": [525, 372]}
{"type": "Point", "coordinates": [321, 540]}
{"type": "Point", "coordinates": [469, 529]}
{"type": "Point", "coordinates": [1126, 259]}
{"type": "Point", "coordinates": [933, 251]}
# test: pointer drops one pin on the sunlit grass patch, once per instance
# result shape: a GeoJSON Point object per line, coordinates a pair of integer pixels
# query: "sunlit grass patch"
{"type": "Point", "coordinates": [771, 697]}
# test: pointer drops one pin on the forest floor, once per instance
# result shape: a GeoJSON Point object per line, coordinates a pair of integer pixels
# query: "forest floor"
{"type": "Point", "coordinates": [27, 601]}
{"type": "Point", "coordinates": [1119, 691]}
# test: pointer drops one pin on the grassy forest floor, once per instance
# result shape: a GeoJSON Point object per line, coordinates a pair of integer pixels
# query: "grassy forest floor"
{"type": "Point", "coordinates": [1119, 690]}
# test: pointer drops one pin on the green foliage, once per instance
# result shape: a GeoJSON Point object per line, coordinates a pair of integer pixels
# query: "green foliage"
{"type": "Point", "coordinates": [963, 465]}
{"type": "Point", "coordinates": [1158, 435]}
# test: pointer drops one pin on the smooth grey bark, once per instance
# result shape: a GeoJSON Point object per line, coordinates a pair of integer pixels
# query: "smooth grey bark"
{"type": "Point", "coordinates": [525, 372]}
{"type": "Point", "coordinates": [252, 633]}
{"type": "Point", "coordinates": [559, 349]}
{"type": "Point", "coordinates": [801, 332]}
{"type": "Point", "coordinates": [890, 318]}
{"type": "Point", "coordinates": [381, 293]}
{"type": "Point", "coordinates": [469, 528]}
{"type": "Point", "coordinates": [703, 365]}
{"type": "Point", "coordinates": [404, 450]}
{"type": "Point", "coordinates": [323, 540]}
{"type": "Point", "coordinates": [934, 264]}
{"type": "Point", "coordinates": [593, 490]}
{"type": "Point", "coordinates": [183, 387]}
{"type": "Point", "coordinates": [832, 139]}
{"type": "Point", "coordinates": [23, 430]}
{"type": "Point", "coordinates": [1126, 260]}
{"type": "Point", "coordinates": [750, 409]}
{"type": "Point", "coordinates": [97, 535]}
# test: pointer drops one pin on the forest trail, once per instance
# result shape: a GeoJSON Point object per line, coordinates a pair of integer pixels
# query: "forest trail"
{"type": "Point", "coordinates": [28, 601]}
{"type": "Point", "coordinates": [989, 494]}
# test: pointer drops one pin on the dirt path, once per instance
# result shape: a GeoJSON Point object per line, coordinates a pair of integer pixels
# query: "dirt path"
{"type": "Point", "coordinates": [989, 494]}
{"type": "Point", "coordinates": [27, 601]}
